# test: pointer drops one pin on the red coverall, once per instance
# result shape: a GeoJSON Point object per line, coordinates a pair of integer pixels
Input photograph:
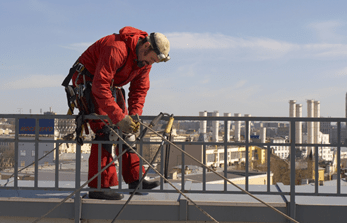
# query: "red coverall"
{"type": "Point", "coordinates": [103, 59]}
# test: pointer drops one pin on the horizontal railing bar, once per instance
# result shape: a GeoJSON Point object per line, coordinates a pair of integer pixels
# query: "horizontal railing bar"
{"type": "Point", "coordinates": [178, 143]}
{"type": "Point", "coordinates": [190, 118]}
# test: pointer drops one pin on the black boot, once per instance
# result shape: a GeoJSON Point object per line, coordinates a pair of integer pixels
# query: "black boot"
{"type": "Point", "coordinates": [145, 184]}
{"type": "Point", "coordinates": [105, 195]}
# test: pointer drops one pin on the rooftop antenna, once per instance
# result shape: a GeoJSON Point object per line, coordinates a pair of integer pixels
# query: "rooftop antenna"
{"type": "Point", "coordinates": [20, 110]}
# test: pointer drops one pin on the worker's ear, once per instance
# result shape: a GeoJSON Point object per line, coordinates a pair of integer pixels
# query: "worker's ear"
{"type": "Point", "coordinates": [147, 44]}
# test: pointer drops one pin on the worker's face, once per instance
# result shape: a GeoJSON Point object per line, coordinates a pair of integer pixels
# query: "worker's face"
{"type": "Point", "coordinates": [146, 55]}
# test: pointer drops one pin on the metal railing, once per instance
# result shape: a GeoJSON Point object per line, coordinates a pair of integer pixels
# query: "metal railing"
{"type": "Point", "coordinates": [292, 144]}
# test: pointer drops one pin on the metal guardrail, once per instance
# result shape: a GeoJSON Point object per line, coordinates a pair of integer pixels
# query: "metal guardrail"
{"type": "Point", "coordinates": [292, 144]}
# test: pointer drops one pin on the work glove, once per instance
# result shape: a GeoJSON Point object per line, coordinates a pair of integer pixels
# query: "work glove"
{"type": "Point", "coordinates": [127, 125]}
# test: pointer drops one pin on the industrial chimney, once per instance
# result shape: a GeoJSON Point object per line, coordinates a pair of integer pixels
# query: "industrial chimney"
{"type": "Point", "coordinates": [292, 113]}
{"type": "Point", "coordinates": [298, 125]}
{"type": "Point", "coordinates": [316, 127]}
{"type": "Point", "coordinates": [203, 126]}
{"type": "Point", "coordinates": [228, 126]}
{"type": "Point", "coordinates": [237, 133]}
{"type": "Point", "coordinates": [215, 127]}
{"type": "Point", "coordinates": [248, 134]}
{"type": "Point", "coordinates": [262, 134]}
{"type": "Point", "coordinates": [310, 126]}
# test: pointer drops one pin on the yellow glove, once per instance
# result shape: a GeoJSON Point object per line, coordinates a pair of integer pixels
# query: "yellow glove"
{"type": "Point", "coordinates": [127, 125]}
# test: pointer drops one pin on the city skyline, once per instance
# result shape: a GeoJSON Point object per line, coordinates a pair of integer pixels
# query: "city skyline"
{"type": "Point", "coordinates": [248, 57]}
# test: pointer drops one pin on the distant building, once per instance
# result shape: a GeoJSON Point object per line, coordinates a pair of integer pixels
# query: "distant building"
{"type": "Point", "coordinates": [325, 127]}
{"type": "Point", "coordinates": [149, 150]}
{"type": "Point", "coordinates": [64, 126]}
{"type": "Point", "coordinates": [5, 131]}
{"type": "Point", "coordinates": [271, 132]}
{"type": "Point", "coordinates": [5, 145]}
{"type": "Point", "coordinates": [283, 131]}
{"type": "Point", "coordinates": [26, 151]}
{"type": "Point", "coordinates": [333, 135]}
{"type": "Point", "coordinates": [215, 156]}
{"type": "Point", "coordinates": [325, 151]}
{"type": "Point", "coordinates": [279, 150]}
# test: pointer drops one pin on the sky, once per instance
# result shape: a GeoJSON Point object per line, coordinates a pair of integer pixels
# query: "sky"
{"type": "Point", "coordinates": [247, 56]}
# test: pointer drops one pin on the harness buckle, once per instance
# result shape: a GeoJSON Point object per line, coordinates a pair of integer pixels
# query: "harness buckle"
{"type": "Point", "coordinates": [79, 67]}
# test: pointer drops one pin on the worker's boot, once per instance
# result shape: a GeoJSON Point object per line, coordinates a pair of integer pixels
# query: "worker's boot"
{"type": "Point", "coordinates": [105, 195]}
{"type": "Point", "coordinates": [145, 184]}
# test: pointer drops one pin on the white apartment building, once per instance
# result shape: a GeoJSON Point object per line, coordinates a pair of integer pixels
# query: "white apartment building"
{"type": "Point", "coordinates": [324, 152]}
{"type": "Point", "coordinates": [279, 150]}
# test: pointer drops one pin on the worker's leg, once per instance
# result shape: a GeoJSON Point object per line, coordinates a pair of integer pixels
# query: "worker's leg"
{"type": "Point", "coordinates": [130, 167]}
{"type": "Point", "coordinates": [131, 171]}
{"type": "Point", "coordinates": [108, 176]}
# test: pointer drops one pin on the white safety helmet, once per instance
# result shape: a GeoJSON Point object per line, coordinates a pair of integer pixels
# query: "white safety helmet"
{"type": "Point", "coordinates": [161, 46]}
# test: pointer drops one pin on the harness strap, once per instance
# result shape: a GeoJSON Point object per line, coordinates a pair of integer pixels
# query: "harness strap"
{"type": "Point", "coordinates": [76, 67]}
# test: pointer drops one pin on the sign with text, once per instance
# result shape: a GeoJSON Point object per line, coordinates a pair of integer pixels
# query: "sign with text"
{"type": "Point", "coordinates": [27, 126]}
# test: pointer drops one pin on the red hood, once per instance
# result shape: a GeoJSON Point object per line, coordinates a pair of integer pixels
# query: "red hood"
{"type": "Point", "coordinates": [131, 36]}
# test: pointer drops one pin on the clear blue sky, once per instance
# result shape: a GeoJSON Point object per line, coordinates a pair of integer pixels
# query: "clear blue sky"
{"type": "Point", "coordinates": [248, 57]}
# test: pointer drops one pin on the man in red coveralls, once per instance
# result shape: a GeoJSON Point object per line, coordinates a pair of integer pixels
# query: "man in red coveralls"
{"type": "Point", "coordinates": [112, 62]}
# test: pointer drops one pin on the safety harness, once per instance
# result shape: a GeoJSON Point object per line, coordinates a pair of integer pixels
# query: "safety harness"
{"type": "Point", "coordinates": [80, 97]}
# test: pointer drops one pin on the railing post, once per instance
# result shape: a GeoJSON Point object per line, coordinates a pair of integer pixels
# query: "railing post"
{"type": "Point", "coordinates": [77, 199]}
{"type": "Point", "coordinates": [183, 209]}
{"type": "Point", "coordinates": [268, 155]}
{"type": "Point", "coordinates": [141, 153]}
{"type": "Point", "coordinates": [338, 158]}
{"type": "Point", "coordinates": [204, 168]}
{"type": "Point", "coordinates": [162, 163]}
{"type": "Point", "coordinates": [16, 151]}
{"type": "Point", "coordinates": [292, 169]}
{"type": "Point", "coordinates": [120, 167]}
{"type": "Point", "coordinates": [78, 166]}
{"type": "Point", "coordinates": [226, 137]}
{"type": "Point", "coordinates": [78, 207]}
{"type": "Point", "coordinates": [99, 165]}
{"type": "Point", "coordinates": [247, 153]}
{"type": "Point", "coordinates": [183, 169]}
{"type": "Point", "coordinates": [316, 176]}
{"type": "Point", "coordinates": [37, 128]}
{"type": "Point", "coordinates": [57, 146]}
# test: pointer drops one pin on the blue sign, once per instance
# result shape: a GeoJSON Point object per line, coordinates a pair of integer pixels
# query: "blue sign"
{"type": "Point", "coordinates": [254, 136]}
{"type": "Point", "coordinates": [27, 126]}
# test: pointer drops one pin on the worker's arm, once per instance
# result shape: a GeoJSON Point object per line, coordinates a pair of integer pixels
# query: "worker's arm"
{"type": "Point", "coordinates": [138, 91]}
{"type": "Point", "coordinates": [109, 61]}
